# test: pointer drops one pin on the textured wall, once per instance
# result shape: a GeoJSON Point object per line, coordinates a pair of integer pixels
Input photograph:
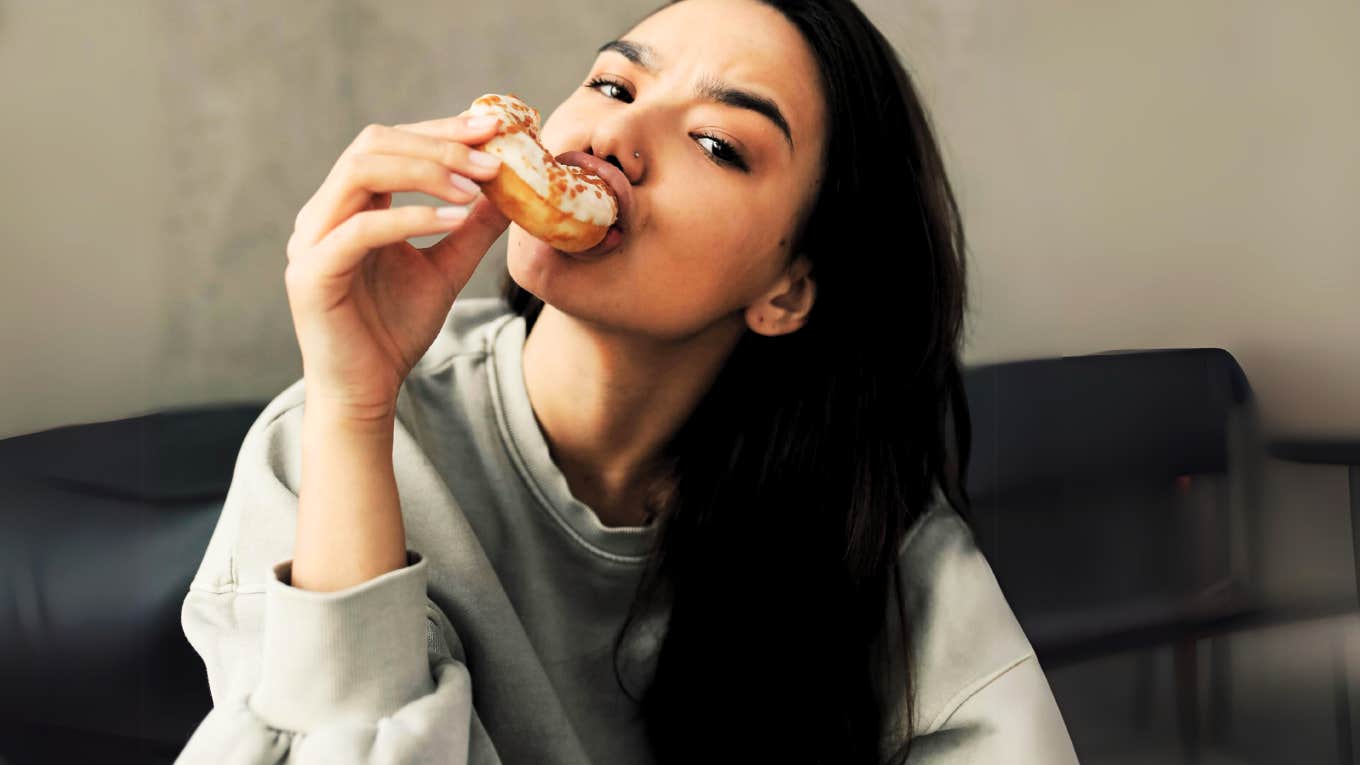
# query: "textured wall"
{"type": "Point", "coordinates": [263, 97]}
{"type": "Point", "coordinates": [1132, 175]}
{"type": "Point", "coordinates": [83, 286]}
{"type": "Point", "coordinates": [1158, 174]}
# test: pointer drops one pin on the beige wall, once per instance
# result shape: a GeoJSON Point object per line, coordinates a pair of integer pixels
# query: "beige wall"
{"type": "Point", "coordinates": [1133, 174]}
{"type": "Point", "coordinates": [157, 151]}
{"type": "Point", "coordinates": [83, 296]}
{"type": "Point", "coordinates": [1159, 173]}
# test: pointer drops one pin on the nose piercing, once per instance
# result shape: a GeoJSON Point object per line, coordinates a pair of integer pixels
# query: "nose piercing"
{"type": "Point", "coordinates": [635, 154]}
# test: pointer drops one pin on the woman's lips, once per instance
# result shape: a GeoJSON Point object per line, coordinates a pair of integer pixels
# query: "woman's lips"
{"type": "Point", "coordinates": [612, 239]}
{"type": "Point", "coordinates": [617, 181]}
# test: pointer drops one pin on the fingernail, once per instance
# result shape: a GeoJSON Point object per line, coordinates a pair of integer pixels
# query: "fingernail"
{"type": "Point", "coordinates": [464, 183]}
{"type": "Point", "coordinates": [452, 213]}
{"type": "Point", "coordinates": [483, 159]}
{"type": "Point", "coordinates": [481, 123]}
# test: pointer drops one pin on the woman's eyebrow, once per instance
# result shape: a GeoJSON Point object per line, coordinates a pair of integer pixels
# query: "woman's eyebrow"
{"type": "Point", "coordinates": [709, 88]}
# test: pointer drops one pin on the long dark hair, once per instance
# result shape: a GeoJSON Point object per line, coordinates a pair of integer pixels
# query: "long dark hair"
{"type": "Point", "coordinates": [792, 483]}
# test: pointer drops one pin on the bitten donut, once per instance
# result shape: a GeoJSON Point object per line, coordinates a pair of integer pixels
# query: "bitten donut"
{"type": "Point", "coordinates": [566, 207]}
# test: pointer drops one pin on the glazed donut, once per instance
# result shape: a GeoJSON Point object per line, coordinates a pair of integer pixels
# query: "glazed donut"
{"type": "Point", "coordinates": [565, 206]}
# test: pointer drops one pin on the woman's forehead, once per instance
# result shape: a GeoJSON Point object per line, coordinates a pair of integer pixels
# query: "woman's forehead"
{"type": "Point", "coordinates": [744, 43]}
{"type": "Point", "coordinates": [730, 34]}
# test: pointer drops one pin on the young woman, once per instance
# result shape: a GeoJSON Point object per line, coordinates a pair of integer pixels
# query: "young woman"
{"type": "Point", "coordinates": [700, 499]}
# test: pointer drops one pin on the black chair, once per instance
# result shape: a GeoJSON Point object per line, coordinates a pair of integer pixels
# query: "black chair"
{"type": "Point", "coordinates": [1115, 496]}
{"type": "Point", "coordinates": [104, 527]}
{"type": "Point", "coordinates": [107, 522]}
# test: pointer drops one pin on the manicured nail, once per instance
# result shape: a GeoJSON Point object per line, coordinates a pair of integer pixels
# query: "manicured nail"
{"type": "Point", "coordinates": [464, 183]}
{"type": "Point", "coordinates": [483, 159]}
{"type": "Point", "coordinates": [482, 122]}
{"type": "Point", "coordinates": [452, 212]}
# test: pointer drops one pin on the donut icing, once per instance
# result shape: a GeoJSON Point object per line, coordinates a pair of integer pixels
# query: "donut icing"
{"type": "Point", "coordinates": [567, 188]}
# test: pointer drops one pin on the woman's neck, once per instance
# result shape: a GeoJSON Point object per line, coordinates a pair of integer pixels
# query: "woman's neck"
{"type": "Point", "coordinates": [607, 402]}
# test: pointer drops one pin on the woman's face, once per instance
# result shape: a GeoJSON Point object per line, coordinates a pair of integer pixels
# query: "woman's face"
{"type": "Point", "coordinates": [712, 223]}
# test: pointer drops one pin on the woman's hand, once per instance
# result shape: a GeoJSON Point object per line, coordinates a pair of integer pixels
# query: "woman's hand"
{"type": "Point", "coordinates": [367, 304]}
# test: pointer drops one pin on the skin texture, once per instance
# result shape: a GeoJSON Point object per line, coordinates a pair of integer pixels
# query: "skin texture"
{"type": "Point", "coordinates": [627, 344]}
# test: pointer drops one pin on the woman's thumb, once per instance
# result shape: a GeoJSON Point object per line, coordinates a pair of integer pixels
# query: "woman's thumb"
{"type": "Point", "coordinates": [458, 253]}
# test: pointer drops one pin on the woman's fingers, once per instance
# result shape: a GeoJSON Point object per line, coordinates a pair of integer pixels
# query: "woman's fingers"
{"type": "Point", "coordinates": [344, 248]}
{"type": "Point", "coordinates": [461, 128]}
{"type": "Point", "coordinates": [359, 178]}
{"type": "Point", "coordinates": [458, 256]}
{"type": "Point", "coordinates": [446, 140]}
{"type": "Point", "coordinates": [385, 159]}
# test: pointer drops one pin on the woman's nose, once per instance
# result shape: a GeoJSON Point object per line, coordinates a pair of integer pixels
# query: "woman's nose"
{"type": "Point", "coordinates": [611, 159]}
{"type": "Point", "coordinates": [634, 176]}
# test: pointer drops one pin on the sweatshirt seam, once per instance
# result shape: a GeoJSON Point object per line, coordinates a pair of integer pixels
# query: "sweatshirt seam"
{"type": "Point", "coordinates": [956, 702]}
{"type": "Point", "coordinates": [233, 569]}
{"type": "Point", "coordinates": [915, 531]}
{"type": "Point", "coordinates": [233, 590]}
{"type": "Point", "coordinates": [233, 562]}
{"type": "Point", "coordinates": [214, 590]}
{"type": "Point", "coordinates": [436, 367]}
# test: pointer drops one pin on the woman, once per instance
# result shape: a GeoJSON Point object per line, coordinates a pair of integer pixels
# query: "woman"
{"type": "Point", "coordinates": [686, 502]}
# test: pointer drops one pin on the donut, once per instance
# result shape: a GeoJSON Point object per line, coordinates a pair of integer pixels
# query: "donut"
{"type": "Point", "coordinates": [565, 206]}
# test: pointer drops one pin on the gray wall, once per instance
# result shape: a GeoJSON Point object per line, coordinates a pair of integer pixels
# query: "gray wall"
{"type": "Point", "coordinates": [157, 151]}
{"type": "Point", "coordinates": [1133, 175]}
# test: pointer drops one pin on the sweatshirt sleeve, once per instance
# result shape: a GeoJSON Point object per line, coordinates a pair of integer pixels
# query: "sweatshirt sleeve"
{"type": "Point", "coordinates": [359, 675]}
{"type": "Point", "coordinates": [1010, 717]}
{"type": "Point", "coordinates": [980, 693]}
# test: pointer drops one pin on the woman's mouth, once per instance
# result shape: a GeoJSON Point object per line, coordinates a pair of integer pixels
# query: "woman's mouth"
{"type": "Point", "coordinates": [617, 181]}
{"type": "Point", "coordinates": [612, 239]}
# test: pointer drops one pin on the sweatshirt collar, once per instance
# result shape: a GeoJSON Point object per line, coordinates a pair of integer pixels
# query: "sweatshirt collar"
{"type": "Point", "coordinates": [528, 448]}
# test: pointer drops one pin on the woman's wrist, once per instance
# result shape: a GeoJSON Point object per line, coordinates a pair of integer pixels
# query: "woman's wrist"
{"type": "Point", "coordinates": [346, 422]}
{"type": "Point", "coordinates": [349, 526]}
{"type": "Point", "coordinates": [371, 418]}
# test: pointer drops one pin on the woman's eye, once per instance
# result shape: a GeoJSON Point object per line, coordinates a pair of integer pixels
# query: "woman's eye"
{"type": "Point", "coordinates": [723, 152]}
{"type": "Point", "coordinates": [598, 81]}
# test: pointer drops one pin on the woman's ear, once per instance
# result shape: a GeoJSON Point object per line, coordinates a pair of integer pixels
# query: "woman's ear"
{"type": "Point", "coordinates": [785, 307]}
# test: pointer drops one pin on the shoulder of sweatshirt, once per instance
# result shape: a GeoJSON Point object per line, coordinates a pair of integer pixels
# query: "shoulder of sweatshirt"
{"type": "Point", "coordinates": [964, 635]}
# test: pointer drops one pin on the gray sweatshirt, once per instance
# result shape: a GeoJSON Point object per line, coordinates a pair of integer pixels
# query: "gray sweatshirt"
{"type": "Point", "coordinates": [493, 645]}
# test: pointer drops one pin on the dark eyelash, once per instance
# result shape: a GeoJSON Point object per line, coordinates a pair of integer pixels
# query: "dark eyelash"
{"type": "Point", "coordinates": [723, 155]}
{"type": "Point", "coordinates": [732, 158]}
{"type": "Point", "coordinates": [598, 81]}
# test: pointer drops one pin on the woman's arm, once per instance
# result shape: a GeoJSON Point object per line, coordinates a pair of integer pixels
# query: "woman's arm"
{"type": "Point", "coordinates": [349, 527]}
{"type": "Point", "coordinates": [365, 673]}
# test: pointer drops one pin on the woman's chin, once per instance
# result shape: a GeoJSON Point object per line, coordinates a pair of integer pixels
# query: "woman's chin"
{"type": "Point", "coordinates": [533, 262]}
{"type": "Point", "coordinates": [538, 267]}
{"type": "Point", "coordinates": [578, 286]}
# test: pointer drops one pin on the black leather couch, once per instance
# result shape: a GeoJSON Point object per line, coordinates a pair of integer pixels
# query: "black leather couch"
{"type": "Point", "coordinates": [105, 524]}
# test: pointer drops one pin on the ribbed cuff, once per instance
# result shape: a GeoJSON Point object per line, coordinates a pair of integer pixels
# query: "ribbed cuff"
{"type": "Point", "coordinates": [357, 654]}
